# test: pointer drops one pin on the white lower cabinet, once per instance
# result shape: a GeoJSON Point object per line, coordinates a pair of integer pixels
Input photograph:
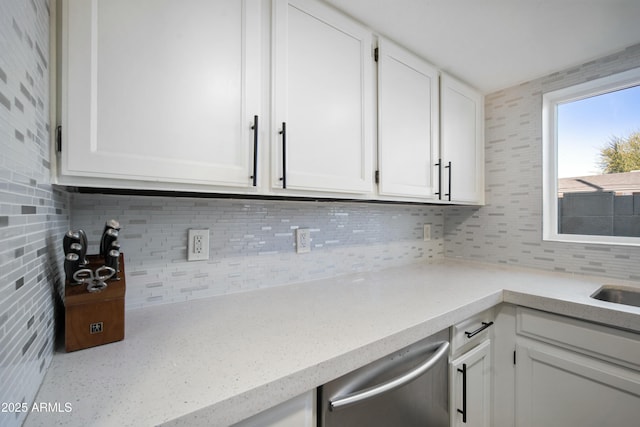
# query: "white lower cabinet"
{"type": "Point", "coordinates": [297, 412]}
{"type": "Point", "coordinates": [556, 387]}
{"type": "Point", "coordinates": [471, 387]}
{"type": "Point", "coordinates": [574, 373]}
{"type": "Point", "coordinates": [503, 374]}
{"type": "Point", "coordinates": [471, 371]}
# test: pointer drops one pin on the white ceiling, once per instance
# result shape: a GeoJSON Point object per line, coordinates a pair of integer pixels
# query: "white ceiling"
{"type": "Point", "coordinates": [494, 44]}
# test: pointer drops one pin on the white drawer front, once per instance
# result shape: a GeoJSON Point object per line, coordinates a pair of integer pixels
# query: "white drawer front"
{"type": "Point", "coordinates": [596, 340]}
{"type": "Point", "coordinates": [466, 335]}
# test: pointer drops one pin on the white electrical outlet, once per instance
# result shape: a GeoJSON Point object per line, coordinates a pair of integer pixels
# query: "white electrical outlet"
{"type": "Point", "coordinates": [303, 240]}
{"type": "Point", "coordinates": [198, 245]}
{"type": "Point", "coordinates": [427, 232]}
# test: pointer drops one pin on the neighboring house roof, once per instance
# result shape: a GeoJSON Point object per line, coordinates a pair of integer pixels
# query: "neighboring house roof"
{"type": "Point", "coordinates": [621, 183]}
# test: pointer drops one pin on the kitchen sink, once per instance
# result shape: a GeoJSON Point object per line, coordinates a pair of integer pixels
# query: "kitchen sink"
{"type": "Point", "coordinates": [618, 295]}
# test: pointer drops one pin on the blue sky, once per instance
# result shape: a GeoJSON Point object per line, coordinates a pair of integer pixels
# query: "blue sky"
{"type": "Point", "coordinates": [587, 125]}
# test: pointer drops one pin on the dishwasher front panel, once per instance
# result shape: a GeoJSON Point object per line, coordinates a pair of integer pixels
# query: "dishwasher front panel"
{"type": "Point", "coordinates": [423, 401]}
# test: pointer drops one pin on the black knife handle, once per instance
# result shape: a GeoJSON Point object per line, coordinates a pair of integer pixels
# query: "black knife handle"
{"type": "Point", "coordinates": [69, 238]}
{"type": "Point", "coordinates": [85, 244]}
{"type": "Point", "coordinates": [113, 260]}
{"type": "Point", "coordinates": [75, 248]}
{"type": "Point", "coordinates": [110, 236]}
{"type": "Point", "coordinates": [111, 224]}
{"type": "Point", "coordinates": [71, 265]}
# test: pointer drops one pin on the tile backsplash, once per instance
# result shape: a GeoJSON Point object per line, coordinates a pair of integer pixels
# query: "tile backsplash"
{"type": "Point", "coordinates": [32, 213]}
{"type": "Point", "coordinates": [252, 242]}
{"type": "Point", "coordinates": [508, 230]}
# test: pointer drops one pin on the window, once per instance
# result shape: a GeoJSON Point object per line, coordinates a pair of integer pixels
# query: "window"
{"type": "Point", "coordinates": [591, 161]}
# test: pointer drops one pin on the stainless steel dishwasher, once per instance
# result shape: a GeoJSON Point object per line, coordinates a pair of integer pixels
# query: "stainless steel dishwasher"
{"type": "Point", "coordinates": [407, 388]}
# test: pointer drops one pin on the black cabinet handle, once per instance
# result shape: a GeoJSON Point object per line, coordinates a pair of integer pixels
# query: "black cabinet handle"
{"type": "Point", "coordinates": [484, 326]}
{"type": "Point", "coordinates": [449, 193]}
{"type": "Point", "coordinates": [283, 132]}
{"type": "Point", "coordinates": [254, 177]}
{"type": "Point", "coordinates": [59, 138]}
{"type": "Point", "coordinates": [463, 411]}
{"type": "Point", "coordinates": [439, 165]}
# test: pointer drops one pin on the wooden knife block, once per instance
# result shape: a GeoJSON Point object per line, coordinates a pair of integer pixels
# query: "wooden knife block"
{"type": "Point", "coordinates": [93, 319]}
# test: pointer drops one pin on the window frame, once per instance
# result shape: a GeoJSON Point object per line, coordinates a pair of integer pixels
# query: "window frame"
{"type": "Point", "coordinates": [550, 102]}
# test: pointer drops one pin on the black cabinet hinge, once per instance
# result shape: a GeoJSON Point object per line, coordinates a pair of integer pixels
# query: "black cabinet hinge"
{"type": "Point", "coordinates": [375, 54]}
{"type": "Point", "coordinates": [377, 177]}
{"type": "Point", "coordinates": [59, 138]}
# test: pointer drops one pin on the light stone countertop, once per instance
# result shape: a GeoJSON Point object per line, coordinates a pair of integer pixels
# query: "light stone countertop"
{"type": "Point", "coordinates": [219, 360]}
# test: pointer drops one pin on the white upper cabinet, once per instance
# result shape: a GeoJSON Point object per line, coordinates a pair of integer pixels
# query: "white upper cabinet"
{"type": "Point", "coordinates": [407, 123]}
{"type": "Point", "coordinates": [160, 91]}
{"type": "Point", "coordinates": [323, 100]}
{"type": "Point", "coordinates": [166, 95]}
{"type": "Point", "coordinates": [461, 142]}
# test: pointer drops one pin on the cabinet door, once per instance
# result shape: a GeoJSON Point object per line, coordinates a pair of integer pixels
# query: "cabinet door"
{"type": "Point", "coordinates": [461, 142]}
{"type": "Point", "coordinates": [474, 367]}
{"type": "Point", "coordinates": [556, 387]}
{"type": "Point", "coordinates": [323, 69]}
{"type": "Point", "coordinates": [297, 412]}
{"type": "Point", "coordinates": [160, 91]}
{"type": "Point", "coordinates": [407, 123]}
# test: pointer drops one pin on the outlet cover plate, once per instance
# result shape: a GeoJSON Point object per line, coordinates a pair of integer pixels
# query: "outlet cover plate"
{"type": "Point", "coordinates": [303, 240]}
{"type": "Point", "coordinates": [198, 245]}
{"type": "Point", "coordinates": [427, 232]}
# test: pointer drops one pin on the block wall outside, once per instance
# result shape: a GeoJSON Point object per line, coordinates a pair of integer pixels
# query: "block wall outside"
{"type": "Point", "coordinates": [599, 213]}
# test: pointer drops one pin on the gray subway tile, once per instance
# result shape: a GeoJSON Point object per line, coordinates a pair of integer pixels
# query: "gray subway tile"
{"type": "Point", "coordinates": [25, 348]}
{"type": "Point", "coordinates": [28, 210]}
